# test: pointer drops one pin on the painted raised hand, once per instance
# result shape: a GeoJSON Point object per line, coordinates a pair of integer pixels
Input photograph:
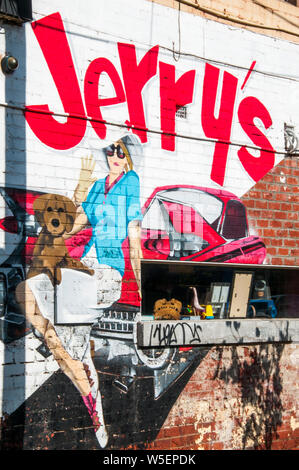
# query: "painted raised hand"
{"type": "Point", "coordinates": [85, 179]}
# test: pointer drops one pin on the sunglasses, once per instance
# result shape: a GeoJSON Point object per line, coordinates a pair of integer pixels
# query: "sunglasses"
{"type": "Point", "coordinates": [111, 150]}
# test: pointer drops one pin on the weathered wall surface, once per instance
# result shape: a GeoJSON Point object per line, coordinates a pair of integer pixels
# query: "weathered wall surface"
{"type": "Point", "coordinates": [274, 18]}
{"type": "Point", "coordinates": [196, 110]}
{"type": "Point", "coordinates": [272, 207]}
{"type": "Point", "coordinates": [240, 398]}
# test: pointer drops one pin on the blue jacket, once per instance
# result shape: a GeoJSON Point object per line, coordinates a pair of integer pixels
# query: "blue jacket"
{"type": "Point", "coordinates": [110, 215]}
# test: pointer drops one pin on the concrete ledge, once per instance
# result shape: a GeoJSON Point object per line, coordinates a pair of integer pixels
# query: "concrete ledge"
{"type": "Point", "coordinates": [154, 334]}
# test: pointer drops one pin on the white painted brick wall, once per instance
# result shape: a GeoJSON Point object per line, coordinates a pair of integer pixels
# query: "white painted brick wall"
{"type": "Point", "coordinates": [94, 32]}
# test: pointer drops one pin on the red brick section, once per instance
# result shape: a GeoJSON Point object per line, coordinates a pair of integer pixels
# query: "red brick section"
{"type": "Point", "coordinates": [245, 397]}
{"type": "Point", "coordinates": [240, 398]}
{"type": "Point", "coordinates": [272, 208]}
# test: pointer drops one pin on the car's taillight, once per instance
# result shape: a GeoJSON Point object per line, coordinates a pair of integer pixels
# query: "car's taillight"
{"type": "Point", "coordinates": [3, 294]}
{"type": "Point", "coordinates": [9, 224]}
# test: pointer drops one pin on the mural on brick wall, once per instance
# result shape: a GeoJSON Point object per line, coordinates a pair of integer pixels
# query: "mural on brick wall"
{"type": "Point", "coordinates": [73, 270]}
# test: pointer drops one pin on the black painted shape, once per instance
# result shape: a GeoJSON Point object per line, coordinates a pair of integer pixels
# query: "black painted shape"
{"type": "Point", "coordinates": [55, 418]}
{"type": "Point", "coordinates": [136, 418]}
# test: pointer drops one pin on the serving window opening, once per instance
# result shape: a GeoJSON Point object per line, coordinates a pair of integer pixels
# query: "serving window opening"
{"type": "Point", "coordinates": [207, 291]}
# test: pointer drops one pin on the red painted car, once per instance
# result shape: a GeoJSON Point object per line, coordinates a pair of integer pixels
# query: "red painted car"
{"type": "Point", "coordinates": [198, 224]}
{"type": "Point", "coordinates": [179, 223]}
{"type": "Point", "coordinates": [191, 223]}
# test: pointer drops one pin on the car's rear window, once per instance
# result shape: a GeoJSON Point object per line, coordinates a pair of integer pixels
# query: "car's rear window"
{"type": "Point", "coordinates": [208, 206]}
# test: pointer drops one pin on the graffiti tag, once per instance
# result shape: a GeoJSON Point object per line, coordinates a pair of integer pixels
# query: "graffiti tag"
{"type": "Point", "coordinates": [174, 334]}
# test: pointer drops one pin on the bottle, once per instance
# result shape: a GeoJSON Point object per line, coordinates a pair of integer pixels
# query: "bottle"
{"type": "Point", "coordinates": [198, 310]}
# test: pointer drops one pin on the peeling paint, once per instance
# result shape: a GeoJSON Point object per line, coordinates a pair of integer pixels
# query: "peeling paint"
{"type": "Point", "coordinates": [294, 423]}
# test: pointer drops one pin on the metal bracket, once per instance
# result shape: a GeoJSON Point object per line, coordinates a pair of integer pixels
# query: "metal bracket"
{"type": "Point", "coordinates": [291, 141]}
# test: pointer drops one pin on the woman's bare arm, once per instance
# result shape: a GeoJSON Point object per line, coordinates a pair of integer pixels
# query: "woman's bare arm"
{"type": "Point", "coordinates": [81, 221]}
{"type": "Point", "coordinates": [80, 194]}
{"type": "Point", "coordinates": [134, 232]}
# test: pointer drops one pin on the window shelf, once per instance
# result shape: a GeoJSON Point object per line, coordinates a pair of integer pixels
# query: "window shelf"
{"type": "Point", "coordinates": [158, 334]}
{"type": "Point", "coordinates": [251, 304]}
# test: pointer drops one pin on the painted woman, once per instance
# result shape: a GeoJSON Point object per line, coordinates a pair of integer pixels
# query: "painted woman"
{"type": "Point", "coordinates": [111, 205]}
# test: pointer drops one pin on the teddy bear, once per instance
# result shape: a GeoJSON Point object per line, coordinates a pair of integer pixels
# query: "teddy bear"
{"type": "Point", "coordinates": [167, 309]}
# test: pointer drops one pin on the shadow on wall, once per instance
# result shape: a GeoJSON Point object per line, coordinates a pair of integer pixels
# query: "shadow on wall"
{"type": "Point", "coordinates": [14, 381]}
{"type": "Point", "coordinates": [56, 418]}
{"type": "Point", "coordinates": [260, 384]}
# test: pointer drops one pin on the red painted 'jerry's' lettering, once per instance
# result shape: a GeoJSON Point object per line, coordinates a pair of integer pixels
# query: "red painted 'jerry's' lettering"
{"type": "Point", "coordinates": [91, 92]}
{"type": "Point", "coordinates": [135, 78]}
{"type": "Point", "coordinates": [173, 95]}
{"type": "Point", "coordinates": [51, 36]}
{"type": "Point", "coordinates": [218, 128]}
{"type": "Point", "coordinates": [249, 109]}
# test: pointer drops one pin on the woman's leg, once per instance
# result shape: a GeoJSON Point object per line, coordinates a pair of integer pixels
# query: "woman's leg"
{"type": "Point", "coordinates": [74, 369]}
{"type": "Point", "coordinates": [101, 432]}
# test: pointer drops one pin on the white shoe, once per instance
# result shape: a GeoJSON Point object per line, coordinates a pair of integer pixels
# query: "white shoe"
{"type": "Point", "coordinates": [102, 436]}
{"type": "Point", "coordinates": [101, 433]}
{"type": "Point", "coordinates": [94, 407]}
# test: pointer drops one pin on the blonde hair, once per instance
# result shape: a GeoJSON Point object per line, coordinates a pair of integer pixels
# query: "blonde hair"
{"type": "Point", "coordinates": [129, 164]}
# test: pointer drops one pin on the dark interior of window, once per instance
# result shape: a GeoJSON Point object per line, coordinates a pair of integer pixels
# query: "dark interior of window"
{"type": "Point", "coordinates": [268, 292]}
{"type": "Point", "coordinates": [293, 2]}
{"type": "Point", "coordinates": [235, 224]}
